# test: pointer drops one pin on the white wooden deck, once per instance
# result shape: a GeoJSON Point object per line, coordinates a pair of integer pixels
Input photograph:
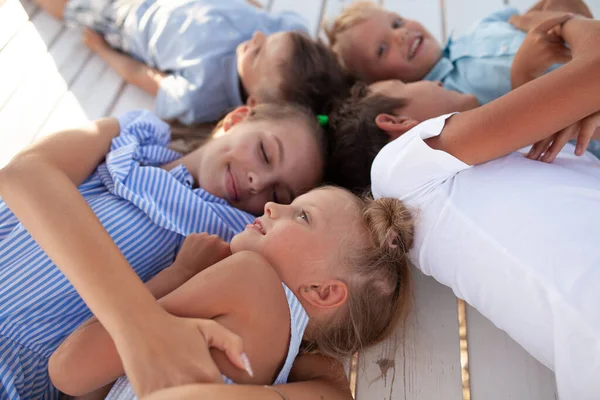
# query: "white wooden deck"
{"type": "Point", "coordinates": [50, 81]}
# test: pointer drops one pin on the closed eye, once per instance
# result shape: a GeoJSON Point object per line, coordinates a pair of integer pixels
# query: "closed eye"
{"type": "Point", "coordinates": [264, 153]}
{"type": "Point", "coordinates": [381, 50]}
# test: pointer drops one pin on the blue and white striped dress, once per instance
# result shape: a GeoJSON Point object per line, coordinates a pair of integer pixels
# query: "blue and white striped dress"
{"type": "Point", "coordinates": [148, 211]}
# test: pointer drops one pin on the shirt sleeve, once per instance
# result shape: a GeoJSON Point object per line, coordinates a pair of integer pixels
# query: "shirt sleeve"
{"type": "Point", "coordinates": [291, 21]}
{"type": "Point", "coordinates": [502, 15]}
{"type": "Point", "coordinates": [408, 167]}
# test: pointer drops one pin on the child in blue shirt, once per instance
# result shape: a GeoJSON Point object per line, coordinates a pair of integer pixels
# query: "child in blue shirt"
{"type": "Point", "coordinates": [202, 58]}
{"type": "Point", "coordinates": [377, 45]}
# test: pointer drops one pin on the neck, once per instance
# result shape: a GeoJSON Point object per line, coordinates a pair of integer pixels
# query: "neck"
{"type": "Point", "coordinates": [191, 161]}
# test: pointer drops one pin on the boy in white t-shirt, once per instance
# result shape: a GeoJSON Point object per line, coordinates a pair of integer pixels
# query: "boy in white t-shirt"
{"type": "Point", "coordinates": [514, 237]}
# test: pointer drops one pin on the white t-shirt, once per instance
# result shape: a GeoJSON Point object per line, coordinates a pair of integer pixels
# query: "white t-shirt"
{"type": "Point", "coordinates": [517, 239]}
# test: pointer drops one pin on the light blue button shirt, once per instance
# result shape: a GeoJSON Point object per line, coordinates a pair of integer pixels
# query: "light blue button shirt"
{"type": "Point", "coordinates": [195, 40]}
{"type": "Point", "coordinates": [479, 61]}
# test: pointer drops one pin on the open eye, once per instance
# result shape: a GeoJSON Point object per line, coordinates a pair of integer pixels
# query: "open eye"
{"type": "Point", "coordinates": [303, 216]}
{"type": "Point", "coordinates": [264, 153]}
{"type": "Point", "coordinates": [397, 23]}
{"type": "Point", "coordinates": [381, 50]}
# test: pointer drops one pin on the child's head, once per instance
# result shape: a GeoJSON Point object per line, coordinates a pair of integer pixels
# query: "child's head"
{"type": "Point", "coordinates": [271, 152]}
{"type": "Point", "coordinates": [290, 67]}
{"type": "Point", "coordinates": [376, 44]}
{"type": "Point", "coordinates": [343, 256]}
{"type": "Point", "coordinates": [376, 114]}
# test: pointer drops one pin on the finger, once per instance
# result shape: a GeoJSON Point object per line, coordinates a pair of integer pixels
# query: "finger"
{"type": "Point", "coordinates": [551, 22]}
{"type": "Point", "coordinates": [584, 137]}
{"type": "Point", "coordinates": [560, 139]}
{"type": "Point", "coordinates": [221, 338]}
{"type": "Point", "coordinates": [539, 148]}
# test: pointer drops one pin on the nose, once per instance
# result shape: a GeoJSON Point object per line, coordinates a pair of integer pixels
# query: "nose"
{"type": "Point", "coordinates": [272, 210]}
{"type": "Point", "coordinates": [258, 37]}
{"type": "Point", "coordinates": [260, 181]}
{"type": "Point", "coordinates": [400, 35]}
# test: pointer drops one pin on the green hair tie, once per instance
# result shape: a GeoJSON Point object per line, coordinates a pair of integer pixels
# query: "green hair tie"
{"type": "Point", "coordinates": [323, 119]}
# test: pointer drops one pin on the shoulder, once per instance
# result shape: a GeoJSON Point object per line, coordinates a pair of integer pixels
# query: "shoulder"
{"type": "Point", "coordinates": [253, 271]}
{"type": "Point", "coordinates": [408, 165]}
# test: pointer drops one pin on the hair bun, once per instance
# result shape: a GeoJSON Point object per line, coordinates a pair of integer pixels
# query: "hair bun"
{"type": "Point", "coordinates": [391, 223]}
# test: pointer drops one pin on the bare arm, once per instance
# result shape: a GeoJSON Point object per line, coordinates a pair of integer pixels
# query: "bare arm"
{"type": "Point", "coordinates": [314, 378]}
{"type": "Point", "coordinates": [234, 292]}
{"type": "Point", "coordinates": [131, 70]}
{"type": "Point", "coordinates": [255, 3]}
{"type": "Point", "coordinates": [533, 111]}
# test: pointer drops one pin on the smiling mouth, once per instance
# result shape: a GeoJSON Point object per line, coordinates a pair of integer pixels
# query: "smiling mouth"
{"type": "Point", "coordinates": [412, 51]}
{"type": "Point", "coordinates": [257, 225]}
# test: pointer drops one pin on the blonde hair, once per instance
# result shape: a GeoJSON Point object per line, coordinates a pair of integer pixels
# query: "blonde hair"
{"type": "Point", "coordinates": [352, 15]}
{"type": "Point", "coordinates": [185, 140]}
{"type": "Point", "coordinates": [378, 274]}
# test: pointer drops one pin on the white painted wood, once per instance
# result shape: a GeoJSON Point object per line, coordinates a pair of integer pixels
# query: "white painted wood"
{"type": "Point", "coordinates": [48, 27]}
{"type": "Point", "coordinates": [12, 18]}
{"type": "Point", "coordinates": [29, 106]}
{"type": "Point", "coordinates": [66, 114]}
{"type": "Point", "coordinates": [425, 363]}
{"type": "Point", "coordinates": [427, 12]}
{"type": "Point", "coordinates": [30, 7]}
{"type": "Point", "coordinates": [16, 64]}
{"type": "Point", "coordinates": [524, 5]}
{"type": "Point", "coordinates": [309, 9]}
{"type": "Point", "coordinates": [132, 98]}
{"type": "Point", "coordinates": [69, 54]}
{"type": "Point", "coordinates": [461, 14]}
{"type": "Point", "coordinates": [500, 369]}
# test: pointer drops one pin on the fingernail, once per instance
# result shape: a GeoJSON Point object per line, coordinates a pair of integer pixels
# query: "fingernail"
{"type": "Point", "coordinates": [579, 150]}
{"type": "Point", "coordinates": [530, 154]}
{"type": "Point", "coordinates": [246, 363]}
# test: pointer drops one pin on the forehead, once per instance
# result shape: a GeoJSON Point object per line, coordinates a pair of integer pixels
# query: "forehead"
{"type": "Point", "coordinates": [333, 205]}
{"type": "Point", "coordinates": [389, 88]}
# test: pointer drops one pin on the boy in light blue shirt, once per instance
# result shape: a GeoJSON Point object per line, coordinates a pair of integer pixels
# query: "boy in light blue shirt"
{"type": "Point", "coordinates": [201, 58]}
{"type": "Point", "coordinates": [377, 45]}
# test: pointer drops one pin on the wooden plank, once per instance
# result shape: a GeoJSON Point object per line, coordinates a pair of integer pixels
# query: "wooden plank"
{"type": "Point", "coordinates": [462, 14]}
{"type": "Point", "coordinates": [69, 54]}
{"type": "Point", "coordinates": [29, 106]}
{"type": "Point", "coordinates": [16, 64]}
{"type": "Point", "coordinates": [47, 27]}
{"type": "Point", "coordinates": [12, 18]}
{"type": "Point", "coordinates": [309, 9]}
{"type": "Point", "coordinates": [66, 114]}
{"type": "Point", "coordinates": [500, 368]}
{"type": "Point", "coordinates": [524, 5]}
{"type": "Point", "coordinates": [424, 362]}
{"type": "Point", "coordinates": [96, 87]}
{"type": "Point", "coordinates": [427, 12]}
{"type": "Point", "coordinates": [132, 98]}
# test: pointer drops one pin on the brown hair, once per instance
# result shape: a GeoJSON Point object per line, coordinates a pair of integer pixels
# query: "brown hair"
{"type": "Point", "coordinates": [194, 137]}
{"type": "Point", "coordinates": [377, 274]}
{"type": "Point", "coordinates": [312, 76]}
{"type": "Point", "coordinates": [352, 15]}
{"type": "Point", "coordinates": [354, 137]}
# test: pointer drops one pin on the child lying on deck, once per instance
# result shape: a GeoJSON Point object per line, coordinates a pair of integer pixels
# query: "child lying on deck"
{"type": "Point", "coordinates": [377, 44]}
{"type": "Point", "coordinates": [201, 58]}
{"type": "Point", "coordinates": [325, 264]}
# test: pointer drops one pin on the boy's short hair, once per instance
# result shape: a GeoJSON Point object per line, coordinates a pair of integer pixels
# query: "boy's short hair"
{"type": "Point", "coordinates": [311, 77]}
{"type": "Point", "coordinates": [354, 137]}
{"type": "Point", "coordinates": [352, 15]}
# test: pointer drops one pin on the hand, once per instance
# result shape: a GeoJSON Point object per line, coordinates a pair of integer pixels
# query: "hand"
{"type": "Point", "coordinates": [199, 251]}
{"type": "Point", "coordinates": [526, 22]}
{"type": "Point", "coordinates": [171, 351]}
{"type": "Point", "coordinates": [93, 40]}
{"type": "Point", "coordinates": [546, 150]}
{"type": "Point", "coordinates": [541, 49]}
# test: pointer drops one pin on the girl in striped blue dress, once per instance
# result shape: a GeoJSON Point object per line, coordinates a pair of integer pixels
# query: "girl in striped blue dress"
{"type": "Point", "coordinates": [111, 199]}
{"type": "Point", "coordinates": [339, 258]}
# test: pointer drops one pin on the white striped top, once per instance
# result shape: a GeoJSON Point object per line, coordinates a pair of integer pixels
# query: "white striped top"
{"type": "Point", "coordinates": [147, 211]}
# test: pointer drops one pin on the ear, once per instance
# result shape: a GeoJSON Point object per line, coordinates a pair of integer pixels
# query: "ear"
{"type": "Point", "coordinates": [327, 294]}
{"type": "Point", "coordinates": [395, 126]}
{"type": "Point", "coordinates": [251, 102]}
{"type": "Point", "coordinates": [235, 116]}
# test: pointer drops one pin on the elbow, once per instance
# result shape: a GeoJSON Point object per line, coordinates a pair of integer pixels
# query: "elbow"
{"type": "Point", "coordinates": [61, 373]}
{"type": "Point", "coordinates": [15, 171]}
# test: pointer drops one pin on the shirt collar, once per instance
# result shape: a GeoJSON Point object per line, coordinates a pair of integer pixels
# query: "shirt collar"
{"type": "Point", "coordinates": [232, 81]}
{"type": "Point", "coordinates": [443, 67]}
